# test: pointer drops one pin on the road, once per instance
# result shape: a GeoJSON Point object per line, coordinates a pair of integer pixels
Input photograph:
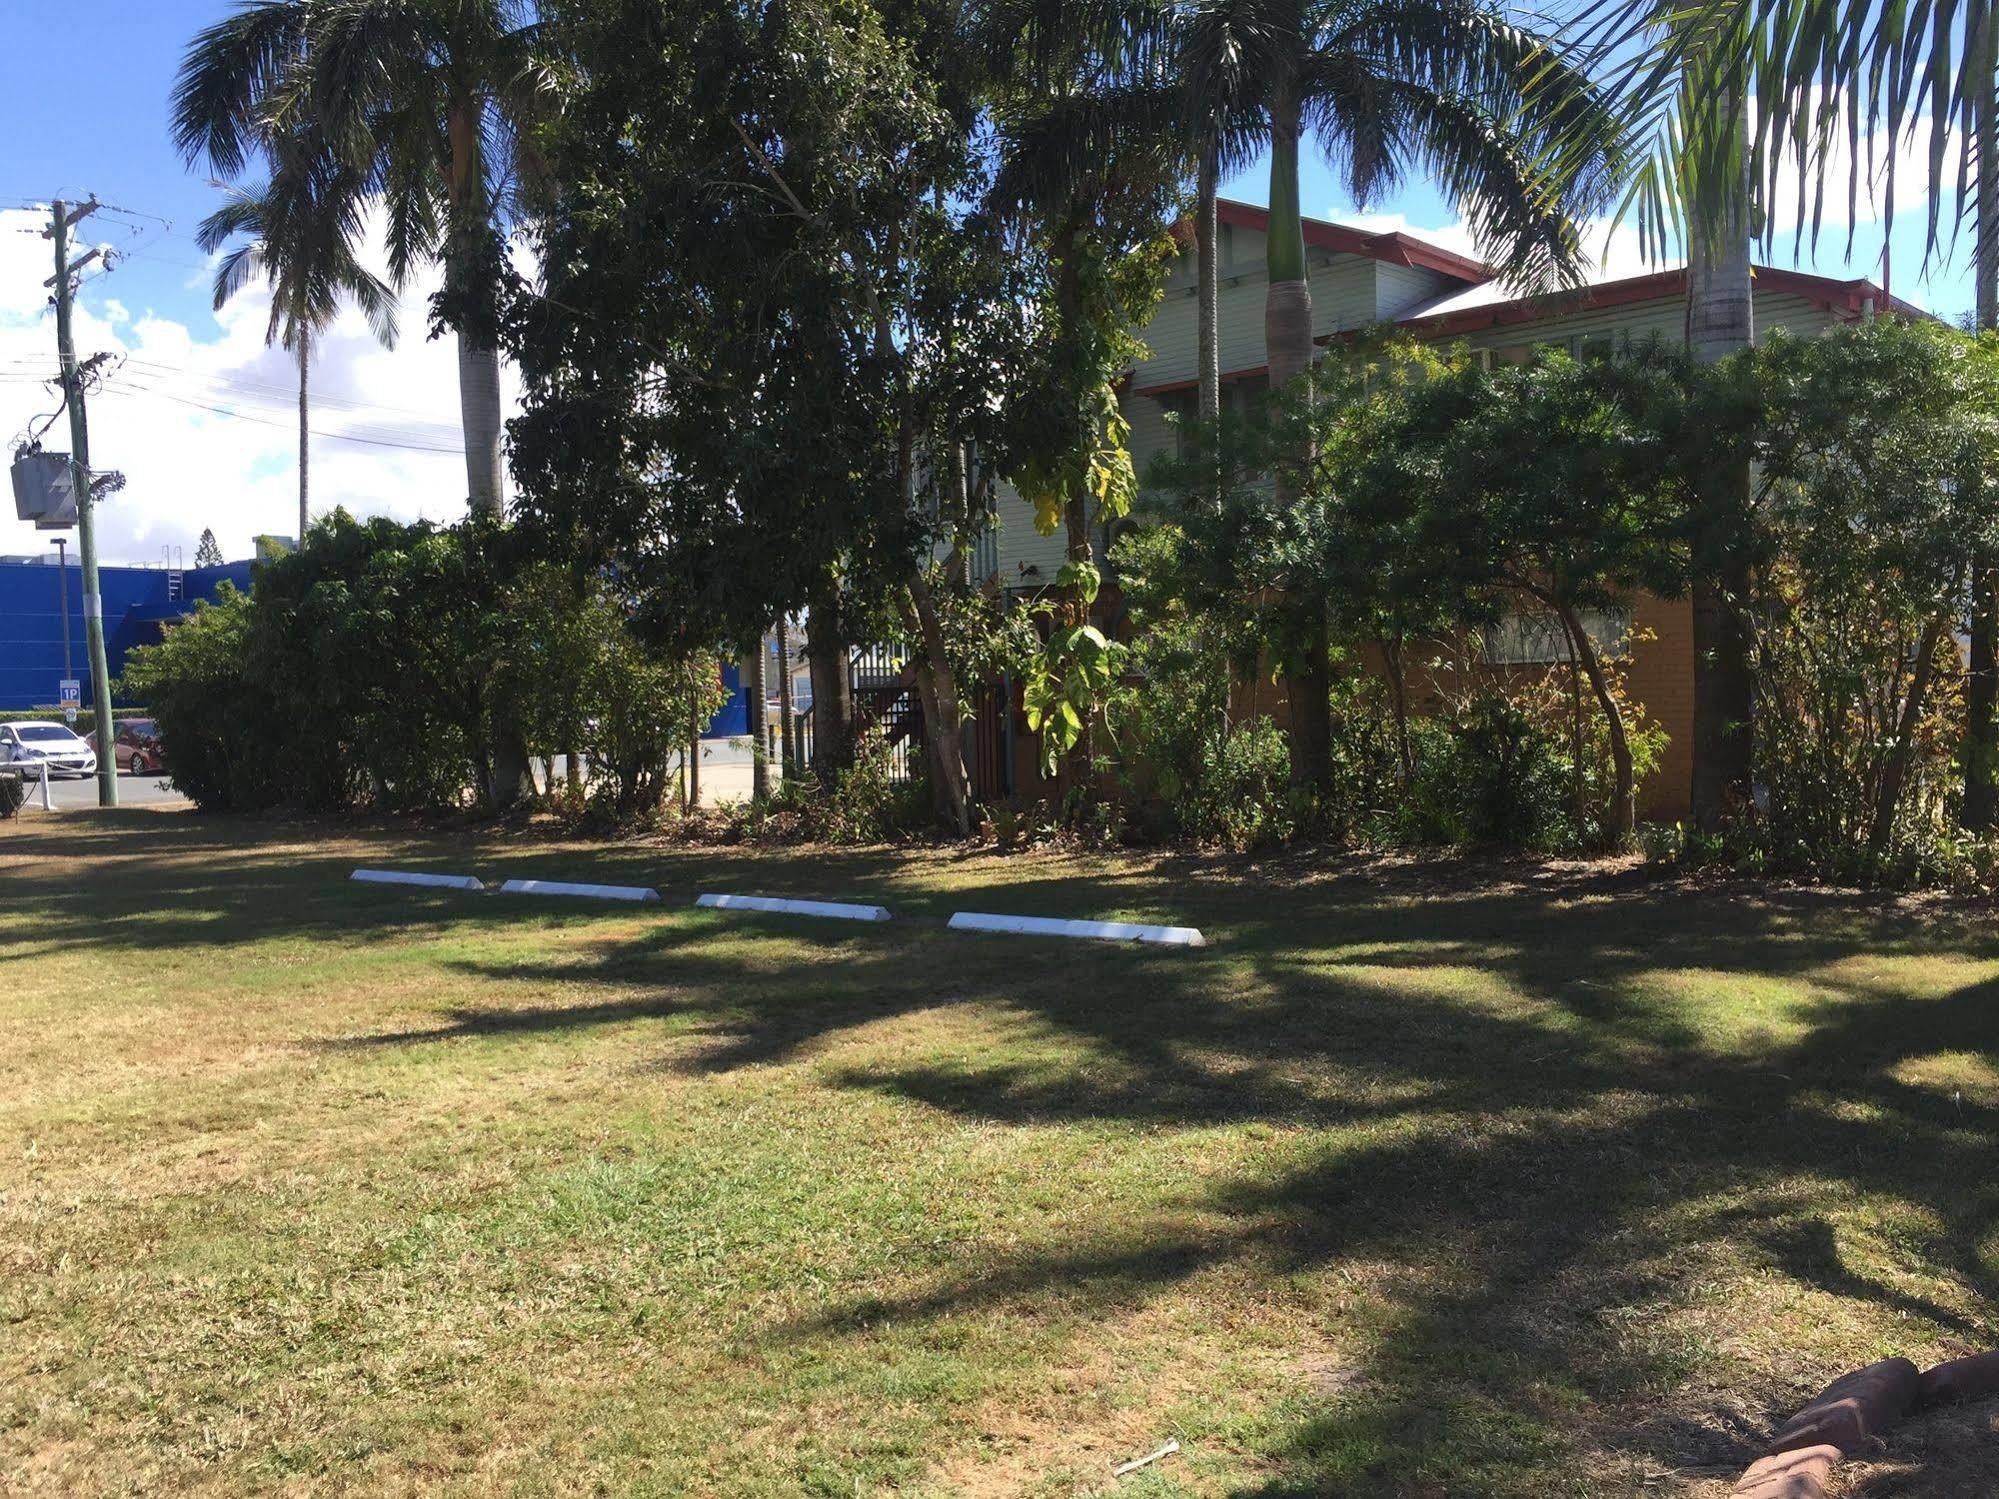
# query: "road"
{"type": "Point", "coordinates": [725, 776]}
{"type": "Point", "coordinates": [133, 791]}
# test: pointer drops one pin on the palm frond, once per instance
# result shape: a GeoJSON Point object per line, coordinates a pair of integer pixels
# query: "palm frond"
{"type": "Point", "coordinates": [227, 73]}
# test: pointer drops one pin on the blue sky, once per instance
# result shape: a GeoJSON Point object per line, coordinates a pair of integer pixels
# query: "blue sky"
{"type": "Point", "coordinates": [199, 418]}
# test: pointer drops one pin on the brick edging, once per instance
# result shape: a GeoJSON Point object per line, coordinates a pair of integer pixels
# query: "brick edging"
{"type": "Point", "coordinates": [1853, 1411]}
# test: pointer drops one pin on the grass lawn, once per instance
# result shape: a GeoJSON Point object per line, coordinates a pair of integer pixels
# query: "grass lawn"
{"type": "Point", "coordinates": [1430, 1180]}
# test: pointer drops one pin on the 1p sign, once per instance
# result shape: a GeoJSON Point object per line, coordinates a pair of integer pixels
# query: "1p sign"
{"type": "Point", "coordinates": [72, 697]}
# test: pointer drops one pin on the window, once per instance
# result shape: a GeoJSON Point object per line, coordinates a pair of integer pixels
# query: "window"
{"type": "Point", "coordinates": [1538, 639]}
{"type": "Point", "coordinates": [1179, 406]}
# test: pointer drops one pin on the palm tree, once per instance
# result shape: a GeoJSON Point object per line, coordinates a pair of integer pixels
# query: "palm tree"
{"type": "Point", "coordinates": [1824, 76]}
{"type": "Point", "coordinates": [429, 101]}
{"type": "Point", "coordinates": [1517, 138]}
{"type": "Point", "coordinates": [304, 224]}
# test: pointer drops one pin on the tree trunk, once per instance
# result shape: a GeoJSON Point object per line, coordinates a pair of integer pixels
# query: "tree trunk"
{"type": "Point", "coordinates": [787, 711]}
{"type": "Point", "coordinates": [943, 721]}
{"type": "Point", "coordinates": [1287, 307]}
{"type": "Point", "coordinates": [304, 434]}
{"type": "Point", "coordinates": [1073, 775]}
{"type": "Point", "coordinates": [1398, 689]}
{"type": "Point", "coordinates": [693, 750]}
{"type": "Point", "coordinates": [754, 692]}
{"type": "Point", "coordinates": [1287, 339]}
{"type": "Point", "coordinates": [1981, 688]}
{"type": "Point", "coordinates": [478, 352]}
{"type": "Point", "coordinates": [1207, 248]}
{"type": "Point", "coordinates": [1721, 320]}
{"type": "Point", "coordinates": [1310, 685]}
{"type": "Point", "coordinates": [832, 686]}
{"type": "Point", "coordinates": [1624, 797]}
{"type": "Point", "coordinates": [479, 412]}
{"type": "Point", "coordinates": [1897, 772]}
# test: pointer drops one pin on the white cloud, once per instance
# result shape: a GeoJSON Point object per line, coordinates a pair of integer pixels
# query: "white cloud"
{"type": "Point", "coordinates": [202, 417]}
{"type": "Point", "coordinates": [1616, 250]}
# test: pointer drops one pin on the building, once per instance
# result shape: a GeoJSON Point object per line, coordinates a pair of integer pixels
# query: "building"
{"type": "Point", "coordinates": [37, 596]}
{"type": "Point", "coordinates": [1362, 280]}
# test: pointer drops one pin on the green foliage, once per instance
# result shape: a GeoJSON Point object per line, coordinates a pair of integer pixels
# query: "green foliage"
{"type": "Point", "coordinates": [1069, 686]}
{"type": "Point", "coordinates": [1878, 463]}
{"type": "Point", "coordinates": [1220, 777]}
{"type": "Point", "coordinates": [1831, 682]}
{"type": "Point", "coordinates": [868, 803]}
{"type": "Point", "coordinates": [216, 720]}
{"type": "Point", "coordinates": [382, 662]}
{"type": "Point", "coordinates": [985, 639]}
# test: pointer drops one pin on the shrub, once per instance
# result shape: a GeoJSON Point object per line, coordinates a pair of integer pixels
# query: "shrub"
{"type": "Point", "coordinates": [1488, 773]}
{"type": "Point", "coordinates": [215, 717]}
{"type": "Point", "coordinates": [1836, 665]}
{"type": "Point", "coordinates": [400, 665]}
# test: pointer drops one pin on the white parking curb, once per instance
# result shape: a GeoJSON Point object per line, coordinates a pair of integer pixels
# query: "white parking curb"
{"type": "Point", "coordinates": [588, 892]}
{"type": "Point", "coordinates": [1105, 931]}
{"type": "Point", "coordinates": [836, 910]}
{"type": "Point", "coordinates": [411, 877]}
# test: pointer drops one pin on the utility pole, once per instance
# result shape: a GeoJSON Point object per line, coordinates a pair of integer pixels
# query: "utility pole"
{"type": "Point", "coordinates": [60, 220]}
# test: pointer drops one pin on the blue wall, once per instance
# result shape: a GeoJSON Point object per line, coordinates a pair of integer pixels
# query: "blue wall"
{"type": "Point", "coordinates": [135, 604]}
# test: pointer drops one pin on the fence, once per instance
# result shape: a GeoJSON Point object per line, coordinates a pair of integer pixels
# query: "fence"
{"type": "Point", "coordinates": [888, 721]}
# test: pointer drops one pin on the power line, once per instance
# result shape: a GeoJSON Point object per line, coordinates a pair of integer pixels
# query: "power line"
{"type": "Point", "coordinates": [251, 385]}
{"type": "Point", "coordinates": [373, 442]}
{"type": "Point", "coordinates": [420, 436]}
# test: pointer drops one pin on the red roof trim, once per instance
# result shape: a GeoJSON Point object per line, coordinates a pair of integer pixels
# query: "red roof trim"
{"type": "Point", "coordinates": [1395, 247]}
{"type": "Point", "coordinates": [1167, 387]}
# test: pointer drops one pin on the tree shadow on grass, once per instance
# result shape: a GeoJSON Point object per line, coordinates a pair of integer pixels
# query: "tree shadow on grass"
{"type": "Point", "coordinates": [1589, 1102]}
{"type": "Point", "coordinates": [1570, 1164]}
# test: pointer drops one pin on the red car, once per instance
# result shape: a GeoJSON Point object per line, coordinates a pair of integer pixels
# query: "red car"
{"type": "Point", "coordinates": [136, 746]}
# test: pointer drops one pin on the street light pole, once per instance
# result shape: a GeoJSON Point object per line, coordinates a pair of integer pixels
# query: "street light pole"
{"type": "Point", "coordinates": [62, 598]}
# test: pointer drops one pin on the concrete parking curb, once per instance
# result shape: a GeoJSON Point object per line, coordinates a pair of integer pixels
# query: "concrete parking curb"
{"type": "Point", "coordinates": [1103, 931]}
{"type": "Point", "coordinates": [831, 909]}
{"type": "Point", "coordinates": [586, 892]}
{"type": "Point", "coordinates": [416, 877]}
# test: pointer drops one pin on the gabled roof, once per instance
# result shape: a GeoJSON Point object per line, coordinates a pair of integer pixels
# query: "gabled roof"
{"type": "Point", "coordinates": [1485, 306]}
{"type": "Point", "coordinates": [1475, 310]}
{"type": "Point", "coordinates": [1394, 247]}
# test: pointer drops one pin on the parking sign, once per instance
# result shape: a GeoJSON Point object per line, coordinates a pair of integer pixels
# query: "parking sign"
{"type": "Point", "coordinates": [72, 698]}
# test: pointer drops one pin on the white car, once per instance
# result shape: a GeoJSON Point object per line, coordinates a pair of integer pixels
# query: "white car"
{"type": "Point", "coordinates": [46, 748]}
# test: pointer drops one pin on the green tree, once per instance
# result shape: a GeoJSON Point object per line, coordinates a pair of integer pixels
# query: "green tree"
{"type": "Point", "coordinates": [1686, 76]}
{"type": "Point", "coordinates": [1562, 481]}
{"type": "Point", "coordinates": [207, 551]}
{"type": "Point", "coordinates": [1090, 156]}
{"type": "Point", "coordinates": [1509, 131]}
{"type": "Point", "coordinates": [303, 226]}
{"type": "Point", "coordinates": [773, 306]}
{"type": "Point", "coordinates": [430, 102]}
{"type": "Point", "coordinates": [1878, 457]}
{"type": "Point", "coordinates": [1889, 76]}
